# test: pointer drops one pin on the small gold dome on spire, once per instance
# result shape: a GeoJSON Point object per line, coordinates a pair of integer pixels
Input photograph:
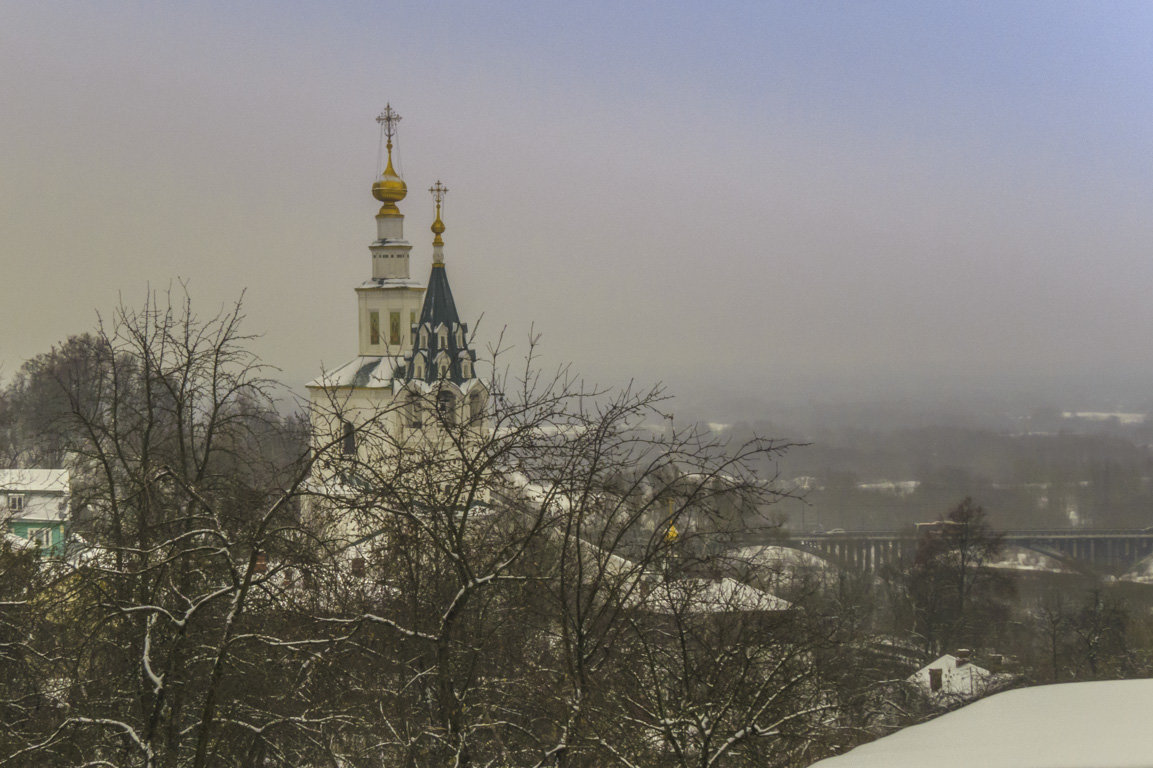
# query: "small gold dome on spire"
{"type": "Point", "coordinates": [438, 191]}
{"type": "Point", "coordinates": [389, 189]}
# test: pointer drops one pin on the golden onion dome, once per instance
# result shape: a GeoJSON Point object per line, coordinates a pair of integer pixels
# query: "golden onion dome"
{"type": "Point", "coordinates": [389, 189]}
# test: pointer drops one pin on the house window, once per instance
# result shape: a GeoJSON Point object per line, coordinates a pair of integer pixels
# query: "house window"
{"type": "Point", "coordinates": [393, 327]}
{"type": "Point", "coordinates": [935, 679]}
{"type": "Point", "coordinates": [348, 444]}
{"type": "Point", "coordinates": [16, 502]}
{"type": "Point", "coordinates": [446, 407]}
{"type": "Point", "coordinates": [42, 536]}
{"type": "Point", "coordinates": [374, 327]}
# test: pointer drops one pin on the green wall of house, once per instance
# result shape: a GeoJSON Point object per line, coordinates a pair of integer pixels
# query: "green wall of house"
{"type": "Point", "coordinates": [24, 528]}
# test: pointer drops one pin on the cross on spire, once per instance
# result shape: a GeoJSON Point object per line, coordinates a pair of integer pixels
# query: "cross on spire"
{"type": "Point", "coordinates": [388, 120]}
{"type": "Point", "coordinates": [438, 191]}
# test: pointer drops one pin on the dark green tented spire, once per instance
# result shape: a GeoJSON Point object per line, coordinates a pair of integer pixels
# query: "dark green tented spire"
{"type": "Point", "coordinates": [440, 340]}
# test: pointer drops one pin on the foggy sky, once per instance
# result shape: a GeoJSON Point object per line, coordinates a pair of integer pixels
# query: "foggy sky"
{"type": "Point", "coordinates": [757, 200]}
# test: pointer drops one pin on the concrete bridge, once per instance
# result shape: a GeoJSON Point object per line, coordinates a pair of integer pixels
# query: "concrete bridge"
{"type": "Point", "coordinates": [1102, 550]}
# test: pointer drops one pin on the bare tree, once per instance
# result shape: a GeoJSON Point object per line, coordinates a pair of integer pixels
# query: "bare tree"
{"type": "Point", "coordinates": [183, 492]}
{"type": "Point", "coordinates": [503, 558]}
{"type": "Point", "coordinates": [512, 581]}
{"type": "Point", "coordinates": [952, 591]}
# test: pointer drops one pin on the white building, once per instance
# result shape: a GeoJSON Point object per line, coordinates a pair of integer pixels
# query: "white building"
{"type": "Point", "coordinates": [952, 679]}
{"type": "Point", "coordinates": [414, 368]}
{"type": "Point", "coordinates": [34, 505]}
{"type": "Point", "coordinates": [414, 379]}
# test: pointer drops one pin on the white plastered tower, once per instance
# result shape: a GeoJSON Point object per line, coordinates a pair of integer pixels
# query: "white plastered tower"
{"type": "Point", "coordinates": [405, 334]}
{"type": "Point", "coordinates": [388, 304]}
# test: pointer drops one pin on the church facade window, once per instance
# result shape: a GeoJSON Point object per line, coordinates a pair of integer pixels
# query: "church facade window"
{"type": "Point", "coordinates": [412, 410]}
{"type": "Point", "coordinates": [466, 368]}
{"type": "Point", "coordinates": [442, 337]}
{"type": "Point", "coordinates": [446, 406]}
{"type": "Point", "coordinates": [374, 327]}
{"type": "Point", "coordinates": [475, 406]}
{"type": "Point", "coordinates": [394, 328]}
{"type": "Point", "coordinates": [348, 438]}
{"type": "Point", "coordinates": [442, 367]}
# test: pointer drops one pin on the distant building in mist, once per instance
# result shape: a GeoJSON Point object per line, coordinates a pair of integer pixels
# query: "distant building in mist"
{"type": "Point", "coordinates": [34, 506]}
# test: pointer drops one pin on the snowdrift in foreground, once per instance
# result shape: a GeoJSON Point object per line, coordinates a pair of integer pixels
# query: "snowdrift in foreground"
{"type": "Point", "coordinates": [1070, 725]}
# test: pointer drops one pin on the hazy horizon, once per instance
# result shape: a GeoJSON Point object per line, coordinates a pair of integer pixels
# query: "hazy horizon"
{"type": "Point", "coordinates": [753, 203]}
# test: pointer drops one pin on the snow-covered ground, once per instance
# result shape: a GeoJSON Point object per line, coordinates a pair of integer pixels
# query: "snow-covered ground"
{"type": "Point", "coordinates": [1021, 559]}
{"type": "Point", "coordinates": [1119, 416]}
{"type": "Point", "coordinates": [1142, 572]}
{"type": "Point", "coordinates": [1070, 725]}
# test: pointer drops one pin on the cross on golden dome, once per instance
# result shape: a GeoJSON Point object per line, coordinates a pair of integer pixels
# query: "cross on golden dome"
{"type": "Point", "coordinates": [389, 189]}
{"type": "Point", "coordinates": [388, 120]}
{"type": "Point", "coordinates": [438, 191]}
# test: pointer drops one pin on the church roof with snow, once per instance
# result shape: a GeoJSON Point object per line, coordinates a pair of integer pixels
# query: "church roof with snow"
{"type": "Point", "coordinates": [361, 372]}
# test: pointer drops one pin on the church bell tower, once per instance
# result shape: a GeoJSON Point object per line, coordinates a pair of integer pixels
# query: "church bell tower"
{"type": "Point", "coordinates": [414, 375]}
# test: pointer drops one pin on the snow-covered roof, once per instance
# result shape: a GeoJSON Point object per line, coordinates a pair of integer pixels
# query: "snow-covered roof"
{"type": "Point", "coordinates": [777, 557]}
{"type": "Point", "coordinates": [708, 596]}
{"type": "Point", "coordinates": [363, 371]}
{"type": "Point", "coordinates": [17, 542]}
{"type": "Point", "coordinates": [1069, 725]}
{"type": "Point", "coordinates": [34, 480]}
{"type": "Point", "coordinates": [390, 282]}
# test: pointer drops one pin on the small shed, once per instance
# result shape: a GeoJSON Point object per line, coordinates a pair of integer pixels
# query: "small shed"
{"type": "Point", "coordinates": [953, 678]}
